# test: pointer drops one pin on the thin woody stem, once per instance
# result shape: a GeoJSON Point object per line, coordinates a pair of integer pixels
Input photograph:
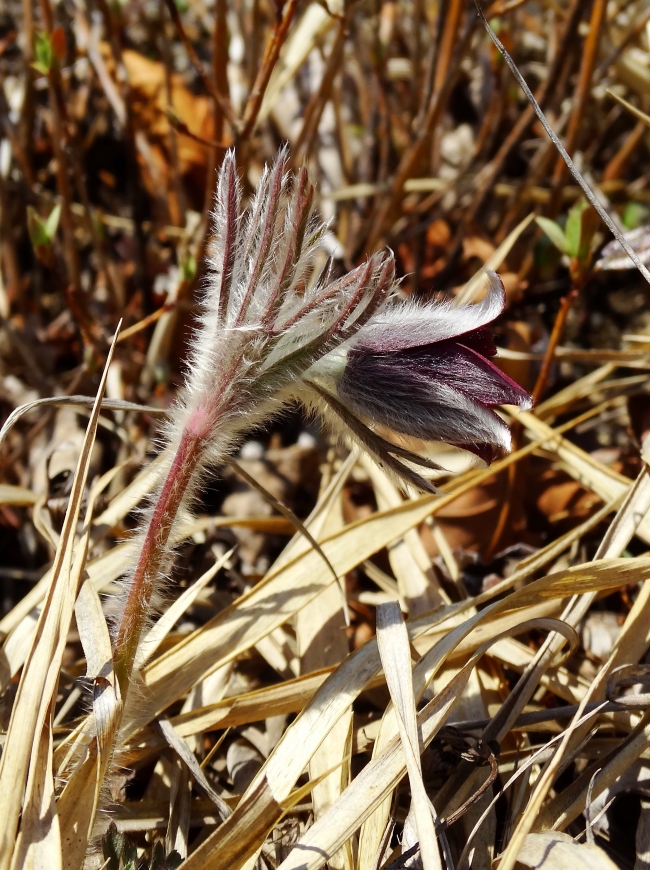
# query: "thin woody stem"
{"type": "Point", "coordinates": [271, 55]}
{"type": "Point", "coordinates": [153, 553]}
{"type": "Point", "coordinates": [558, 328]}
{"type": "Point", "coordinates": [222, 101]}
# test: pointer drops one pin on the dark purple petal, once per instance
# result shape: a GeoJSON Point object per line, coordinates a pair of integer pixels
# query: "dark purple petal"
{"type": "Point", "coordinates": [442, 391]}
{"type": "Point", "coordinates": [487, 452]}
{"type": "Point", "coordinates": [463, 368]}
{"type": "Point", "coordinates": [480, 340]}
{"type": "Point", "coordinates": [398, 392]}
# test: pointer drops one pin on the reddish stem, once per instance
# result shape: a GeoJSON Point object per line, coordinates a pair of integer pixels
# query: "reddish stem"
{"type": "Point", "coordinates": [558, 328]}
{"type": "Point", "coordinates": [254, 103]}
{"type": "Point", "coordinates": [515, 471]}
{"type": "Point", "coordinates": [154, 551]}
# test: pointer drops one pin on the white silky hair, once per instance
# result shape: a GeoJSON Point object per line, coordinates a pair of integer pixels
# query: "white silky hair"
{"type": "Point", "coordinates": [401, 325]}
{"type": "Point", "coordinates": [443, 414]}
{"type": "Point", "coordinates": [269, 324]}
{"type": "Point", "coordinates": [264, 320]}
{"type": "Point", "coordinates": [267, 318]}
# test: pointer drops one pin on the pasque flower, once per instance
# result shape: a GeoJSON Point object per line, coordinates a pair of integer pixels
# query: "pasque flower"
{"type": "Point", "coordinates": [272, 331]}
{"type": "Point", "coordinates": [422, 370]}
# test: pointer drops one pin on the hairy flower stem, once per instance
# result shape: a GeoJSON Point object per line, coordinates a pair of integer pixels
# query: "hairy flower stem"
{"type": "Point", "coordinates": [273, 330]}
{"type": "Point", "coordinates": [154, 551]}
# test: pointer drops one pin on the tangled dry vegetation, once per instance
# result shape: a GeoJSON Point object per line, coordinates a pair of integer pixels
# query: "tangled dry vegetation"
{"type": "Point", "coordinates": [279, 709]}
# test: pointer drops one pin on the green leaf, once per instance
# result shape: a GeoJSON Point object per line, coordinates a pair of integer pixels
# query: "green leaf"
{"type": "Point", "coordinates": [42, 52]}
{"type": "Point", "coordinates": [157, 857]}
{"type": "Point", "coordinates": [52, 223]}
{"type": "Point", "coordinates": [37, 229]}
{"type": "Point", "coordinates": [554, 232]}
{"type": "Point", "coordinates": [42, 232]}
{"type": "Point", "coordinates": [160, 861]}
{"type": "Point", "coordinates": [635, 215]}
{"type": "Point", "coordinates": [188, 268]}
{"type": "Point", "coordinates": [129, 854]}
{"type": "Point", "coordinates": [573, 231]}
{"type": "Point", "coordinates": [112, 845]}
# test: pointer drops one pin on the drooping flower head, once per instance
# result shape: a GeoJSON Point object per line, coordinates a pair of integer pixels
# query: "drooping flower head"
{"type": "Point", "coordinates": [273, 331]}
{"type": "Point", "coordinates": [423, 370]}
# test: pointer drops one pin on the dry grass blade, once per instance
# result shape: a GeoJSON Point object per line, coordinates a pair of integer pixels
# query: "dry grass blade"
{"type": "Point", "coordinates": [642, 116]}
{"type": "Point", "coordinates": [493, 262]}
{"type": "Point", "coordinates": [619, 534]}
{"type": "Point", "coordinates": [377, 779]}
{"type": "Point", "coordinates": [74, 402]}
{"type": "Point", "coordinates": [313, 24]}
{"type": "Point", "coordinates": [417, 584]}
{"type": "Point", "coordinates": [255, 660]}
{"type": "Point", "coordinates": [185, 753]}
{"type": "Point", "coordinates": [77, 806]}
{"type": "Point", "coordinates": [16, 495]}
{"type": "Point", "coordinates": [87, 763]}
{"type": "Point", "coordinates": [572, 801]}
{"type": "Point", "coordinates": [32, 708]}
{"type": "Point", "coordinates": [293, 519]}
{"type": "Point", "coordinates": [593, 199]}
{"type": "Point", "coordinates": [262, 804]}
{"type": "Point", "coordinates": [557, 851]}
{"type": "Point", "coordinates": [395, 654]}
{"type": "Point", "coordinates": [287, 590]}
{"type": "Point", "coordinates": [522, 770]}
{"type": "Point", "coordinates": [321, 640]}
{"type": "Point", "coordinates": [287, 697]}
{"type": "Point", "coordinates": [158, 632]}
{"type": "Point", "coordinates": [39, 840]}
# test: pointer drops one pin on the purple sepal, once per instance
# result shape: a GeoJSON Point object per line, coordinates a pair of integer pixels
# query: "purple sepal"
{"type": "Point", "coordinates": [439, 391]}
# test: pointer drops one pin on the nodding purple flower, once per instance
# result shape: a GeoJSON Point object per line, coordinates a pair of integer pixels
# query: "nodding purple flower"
{"type": "Point", "coordinates": [272, 331]}
{"type": "Point", "coordinates": [422, 370]}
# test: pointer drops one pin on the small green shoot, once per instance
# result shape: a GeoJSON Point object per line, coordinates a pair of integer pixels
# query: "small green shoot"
{"type": "Point", "coordinates": [635, 215]}
{"type": "Point", "coordinates": [49, 50]}
{"type": "Point", "coordinates": [188, 267]}
{"type": "Point", "coordinates": [42, 232]}
{"type": "Point", "coordinates": [576, 240]}
{"type": "Point", "coordinates": [554, 232]}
